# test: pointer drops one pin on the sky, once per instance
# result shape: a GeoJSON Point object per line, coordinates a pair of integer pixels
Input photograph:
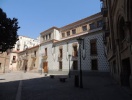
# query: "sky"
{"type": "Point", "coordinates": [36, 16]}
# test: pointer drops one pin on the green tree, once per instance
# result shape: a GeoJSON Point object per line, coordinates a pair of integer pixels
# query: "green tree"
{"type": "Point", "coordinates": [8, 31]}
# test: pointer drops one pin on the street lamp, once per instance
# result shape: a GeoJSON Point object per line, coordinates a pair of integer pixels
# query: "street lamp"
{"type": "Point", "coordinates": [69, 64]}
{"type": "Point", "coordinates": [80, 41]}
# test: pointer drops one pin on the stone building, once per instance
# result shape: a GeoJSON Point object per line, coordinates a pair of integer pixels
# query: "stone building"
{"type": "Point", "coordinates": [59, 48]}
{"type": "Point", "coordinates": [28, 59]}
{"type": "Point", "coordinates": [22, 44]}
{"type": "Point", "coordinates": [4, 62]}
{"type": "Point", "coordinates": [117, 15]}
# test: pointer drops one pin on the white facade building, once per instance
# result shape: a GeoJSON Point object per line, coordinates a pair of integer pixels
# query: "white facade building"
{"type": "Point", "coordinates": [56, 44]}
{"type": "Point", "coordinates": [21, 44]}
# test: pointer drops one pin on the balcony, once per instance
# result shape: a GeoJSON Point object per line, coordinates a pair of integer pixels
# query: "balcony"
{"type": "Point", "coordinates": [44, 56]}
{"type": "Point", "coordinates": [19, 58]}
{"type": "Point", "coordinates": [104, 10]}
{"type": "Point", "coordinates": [59, 58]}
{"type": "Point", "coordinates": [24, 57]}
{"type": "Point", "coordinates": [33, 56]}
{"type": "Point", "coordinates": [13, 61]}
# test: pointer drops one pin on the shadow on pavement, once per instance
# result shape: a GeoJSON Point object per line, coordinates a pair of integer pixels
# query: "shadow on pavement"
{"type": "Point", "coordinates": [96, 87]}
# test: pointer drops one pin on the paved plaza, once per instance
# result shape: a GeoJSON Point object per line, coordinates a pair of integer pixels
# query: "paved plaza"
{"type": "Point", "coordinates": [33, 86]}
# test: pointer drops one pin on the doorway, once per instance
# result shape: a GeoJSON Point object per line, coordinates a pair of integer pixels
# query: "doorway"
{"type": "Point", "coordinates": [45, 67]}
{"type": "Point", "coordinates": [125, 73]}
{"type": "Point", "coordinates": [75, 65]}
{"type": "Point", "coordinates": [60, 65]}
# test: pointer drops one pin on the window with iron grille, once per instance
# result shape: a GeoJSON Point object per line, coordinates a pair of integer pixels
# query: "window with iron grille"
{"type": "Point", "coordinates": [99, 23]}
{"type": "Point", "coordinates": [84, 28]}
{"type": "Point", "coordinates": [93, 47]}
{"type": "Point", "coordinates": [63, 35]}
{"type": "Point", "coordinates": [75, 53]}
{"type": "Point", "coordinates": [74, 31]}
{"type": "Point", "coordinates": [68, 33]}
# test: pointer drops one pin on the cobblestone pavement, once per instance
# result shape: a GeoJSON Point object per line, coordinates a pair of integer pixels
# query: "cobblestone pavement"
{"type": "Point", "coordinates": [38, 87]}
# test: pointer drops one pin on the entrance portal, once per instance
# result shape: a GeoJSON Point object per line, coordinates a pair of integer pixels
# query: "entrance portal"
{"type": "Point", "coordinates": [125, 73]}
{"type": "Point", "coordinates": [45, 67]}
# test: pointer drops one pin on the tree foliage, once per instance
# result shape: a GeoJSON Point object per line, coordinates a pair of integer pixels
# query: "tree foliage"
{"type": "Point", "coordinates": [8, 31]}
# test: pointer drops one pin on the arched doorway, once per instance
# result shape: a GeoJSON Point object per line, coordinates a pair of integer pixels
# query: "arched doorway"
{"type": "Point", "coordinates": [125, 63]}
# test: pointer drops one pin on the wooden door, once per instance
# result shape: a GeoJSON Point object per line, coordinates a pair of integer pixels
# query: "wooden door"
{"type": "Point", "coordinates": [45, 66]}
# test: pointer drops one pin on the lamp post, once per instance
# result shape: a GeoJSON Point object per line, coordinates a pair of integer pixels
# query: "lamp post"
{"type": "Point", "coordinates": [69, 65]}
{"type": "Point", "coordinates": [80, 41]}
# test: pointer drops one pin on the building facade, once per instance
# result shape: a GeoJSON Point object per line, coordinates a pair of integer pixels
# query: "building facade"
{"type": "Point", "coordinates": [28, 59]}
{"type": "Point", "coordinates": [21, 45]}
{"type": "Point", "coordinates": [117, 15]}
{"type": "Point", "coordinates": [4, 62]}
{"type": "Point", "coordinates": [59, 48]}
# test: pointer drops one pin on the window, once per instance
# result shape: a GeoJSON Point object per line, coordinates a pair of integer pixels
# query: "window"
{"type": "Point", "coordinates": [75, 53]}
{"type": "Point", "coordinates": [18, 47]}
{"type": "Point", "coordinates": [35, 53]}
{"type": "Point", "coordinates": [0, 66]}
{"type": "Point", "coordinates": [63, 35]}
{"type": "Point", "coordinates": [93, 47]}
{"type": "Point", "coordinates": [7, 53]}
{"type": "Point", "coordinates": [68, 33]}
{"type": "Point", "coordinates": [26, 53]}
{"type": "Point", "coordinates": [46, 37]}
{"type": "Point", "coordinates": [92, 26]}
{"type": "Point", "coordinates": [45, 51]}
{"type": "Point", "coordinates": [61, 55]}
{"type": "Point", "coordinates": [94, 64]}
{"type": "Point", "coordinates": [49, 36]}
{"type": "Point", "coordinates": [43, 38]}
{"type": "Point", "coordinates": [74, 31]}
{"type": "Point", "coordinates": [99, 23]}
{"type": "Point", "coordinates": [84, 28]}
{"type": "Point", "coordinates": [14, 57]}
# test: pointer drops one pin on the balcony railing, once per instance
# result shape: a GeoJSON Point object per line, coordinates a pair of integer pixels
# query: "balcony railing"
{"type": "Point", "coordinates": [24, 57]}
{"type": "Point", "coordinates": [59, 58]}
{"type": "Point", "coordinates": [33, 56]}
{"type": "Point", "coordinates": [44, 56]}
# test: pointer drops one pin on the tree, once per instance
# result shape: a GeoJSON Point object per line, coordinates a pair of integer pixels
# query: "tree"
{"type": "Point", "coordinates": [8, 31]}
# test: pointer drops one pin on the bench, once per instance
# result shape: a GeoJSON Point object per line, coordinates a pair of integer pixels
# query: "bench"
{"type": "Point", "coordinates": [52, 76]}
{"type": "Point", "coordinates": [63, 79]}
